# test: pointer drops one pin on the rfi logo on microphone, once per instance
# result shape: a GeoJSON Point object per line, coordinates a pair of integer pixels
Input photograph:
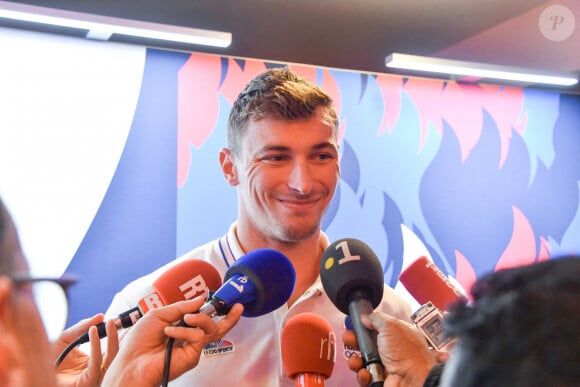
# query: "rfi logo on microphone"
{"type": "Point", "coordinates": [330, 344]}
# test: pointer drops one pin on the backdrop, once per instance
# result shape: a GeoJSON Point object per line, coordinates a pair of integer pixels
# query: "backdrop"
{"type": "Point", "coordinates": [109, 162]}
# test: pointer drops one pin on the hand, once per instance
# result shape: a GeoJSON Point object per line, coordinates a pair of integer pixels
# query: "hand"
{"type": "Point", "coordinates": [77, 369]}
{"type": "Point", "coordinates": [402, 348]}
{"type": "Point", "coordinates": [142, 353]}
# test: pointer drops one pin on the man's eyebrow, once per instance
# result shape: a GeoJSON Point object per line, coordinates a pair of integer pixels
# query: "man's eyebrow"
{"type": "Point", "coordinates": [283, 148]}
{"type": "Point", "coordinates": [324, 145]}
{"type": "Point", "coordinates": [273, 148]}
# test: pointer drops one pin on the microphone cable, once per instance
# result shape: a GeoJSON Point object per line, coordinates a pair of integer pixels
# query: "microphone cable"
{"type": "Point", "coordinates": [101, 328]}
{"type": "Point", "coordinates": [171, 343]}
{"type": "Point", "coordinates": [167, 364]}
{"type": "Point", "coordinates": [168, 351]}
{"type": "Point", "coordinates": [66, 351]}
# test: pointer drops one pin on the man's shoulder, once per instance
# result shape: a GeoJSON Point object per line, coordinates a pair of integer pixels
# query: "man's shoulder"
{"type": "Point", "coordinates": [395, 304]}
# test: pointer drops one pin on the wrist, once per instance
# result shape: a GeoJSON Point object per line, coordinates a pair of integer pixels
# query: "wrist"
{"type": "Point", "coordinates": [114, 377]}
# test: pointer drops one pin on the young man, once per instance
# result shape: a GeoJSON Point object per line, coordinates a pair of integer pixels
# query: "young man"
{"type": "Point", "coordinates": [27, 358]}
{"type": "Point", "coordinates": [282, 155]}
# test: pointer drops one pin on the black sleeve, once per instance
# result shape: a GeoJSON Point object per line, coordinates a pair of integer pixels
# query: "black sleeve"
{"type": "Point", "coordinates": [434, 376]}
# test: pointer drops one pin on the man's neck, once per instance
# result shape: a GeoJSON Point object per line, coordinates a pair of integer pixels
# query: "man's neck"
{"type": "Point", "coordinates": [304, 255]}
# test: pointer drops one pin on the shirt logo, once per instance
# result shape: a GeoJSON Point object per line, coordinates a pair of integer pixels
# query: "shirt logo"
{"type": "Point", "coordinates": [218, 348]}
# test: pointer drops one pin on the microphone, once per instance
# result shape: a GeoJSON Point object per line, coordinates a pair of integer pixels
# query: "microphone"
{"type": "Point", "coordinates": [262, 280]}
{"type": "Point", "coordinates": [183, 281]}
{"type": "Point", "coordinates": [435, 292]}
{"type": "Point", "coordinates": [308, 349]}
{"type": "Point", "coordinates": [426, 282]}
{"type": "Point", "coordinates": [352, 277]}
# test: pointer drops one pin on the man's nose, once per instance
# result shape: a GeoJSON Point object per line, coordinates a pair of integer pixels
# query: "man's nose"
{"type": "Point", "coordinates": [300, 178]}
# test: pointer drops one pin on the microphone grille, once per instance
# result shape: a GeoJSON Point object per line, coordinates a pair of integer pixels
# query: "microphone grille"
{"type": "Point", "coordinates": [186, 280]}
{"type": "Point", "coordinates": [425, 282]}
{"type": "Point", "coordinates": [273, 276]}
{"type": "Point", "coordinates": [308, 345]}
{"type": "Point", "coordinates": [350, 264]}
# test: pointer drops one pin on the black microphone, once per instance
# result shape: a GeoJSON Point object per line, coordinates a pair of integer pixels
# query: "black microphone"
{"type": "Point", "coordinates": [353, 279]}
{"type": "Point", "coordinates": [262, 280]}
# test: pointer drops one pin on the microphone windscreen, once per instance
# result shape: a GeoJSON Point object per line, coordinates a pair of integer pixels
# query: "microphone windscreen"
{"type": "Point", "coordinates": [272, 275]}
{"type": "Point", "coordinates": [425, 282]}
{"type": "Point", "coordinates": [350, 264]}
{"type": "Point", "coordinates": [186, 280]}
{"type": "Point", "coordinates": [308, 345]}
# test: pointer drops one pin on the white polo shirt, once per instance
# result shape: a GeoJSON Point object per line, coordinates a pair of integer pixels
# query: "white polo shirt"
{"type": "Point", "coordinates": [249, 355]}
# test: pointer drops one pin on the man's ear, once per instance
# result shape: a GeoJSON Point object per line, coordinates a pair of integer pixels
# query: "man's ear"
{"type": "Point", "coordinates": [228, 166]}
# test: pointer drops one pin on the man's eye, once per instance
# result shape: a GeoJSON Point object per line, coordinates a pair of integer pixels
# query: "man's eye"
{"type": "Point", "coordinates": [274, 158]}
{"type": "Point", "coordinates": [324, 156]}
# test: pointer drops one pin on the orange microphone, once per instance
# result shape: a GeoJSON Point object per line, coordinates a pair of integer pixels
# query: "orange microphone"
{"type": "Point", "coordinates": [308, 349]}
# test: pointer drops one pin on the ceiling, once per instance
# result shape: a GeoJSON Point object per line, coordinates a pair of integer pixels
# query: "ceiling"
{"type": "Point", "coordinates": [359, 34]}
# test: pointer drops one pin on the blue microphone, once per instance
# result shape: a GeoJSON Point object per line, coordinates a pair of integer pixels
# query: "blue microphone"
{"type": "Point", "coordinates": [262, 280]}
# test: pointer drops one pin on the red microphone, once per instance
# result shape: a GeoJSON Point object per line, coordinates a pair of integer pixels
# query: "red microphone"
{"type": "Point", "coordinates": [427, 283]}
{"type": "Point", "coordinates": [435, 292]}
{"type": "Point", "coordinates": [308, 349]}
{"type": "Point", "coordinates": [183, 281]}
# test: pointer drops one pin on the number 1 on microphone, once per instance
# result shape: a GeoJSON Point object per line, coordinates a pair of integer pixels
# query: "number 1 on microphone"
{"type": "Point", "coordinates": [348, 257]}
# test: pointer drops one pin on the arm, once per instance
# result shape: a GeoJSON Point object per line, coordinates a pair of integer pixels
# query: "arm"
{"type": "Point", "coordinates": [403, 350]}
{"type": "Point", "coordinates": [142, 353]}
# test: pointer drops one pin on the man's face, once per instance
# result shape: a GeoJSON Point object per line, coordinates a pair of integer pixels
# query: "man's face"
{"type": "Point", "coordinates": [286, 174]}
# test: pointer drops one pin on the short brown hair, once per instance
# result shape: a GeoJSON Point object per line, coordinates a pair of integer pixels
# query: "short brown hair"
{"type": "Point", "coordinates": [277, 93]}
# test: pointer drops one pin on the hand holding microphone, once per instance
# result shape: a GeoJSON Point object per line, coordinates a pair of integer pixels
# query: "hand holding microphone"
{"type": "Point", "coordinates": [402, 348]}
{"type": "Point", "coordinates": [80, 368]}
{"type": "Point", "coordinates": [352, 277]}
{"type": "Point", "coordinates": [142, 354]}
{"type": "Point", "coordinates": [308, 349]}
{"type": "Point", "coordinates": [182, 281]}
{"type": "Point", "coordinates": [262, 281]}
